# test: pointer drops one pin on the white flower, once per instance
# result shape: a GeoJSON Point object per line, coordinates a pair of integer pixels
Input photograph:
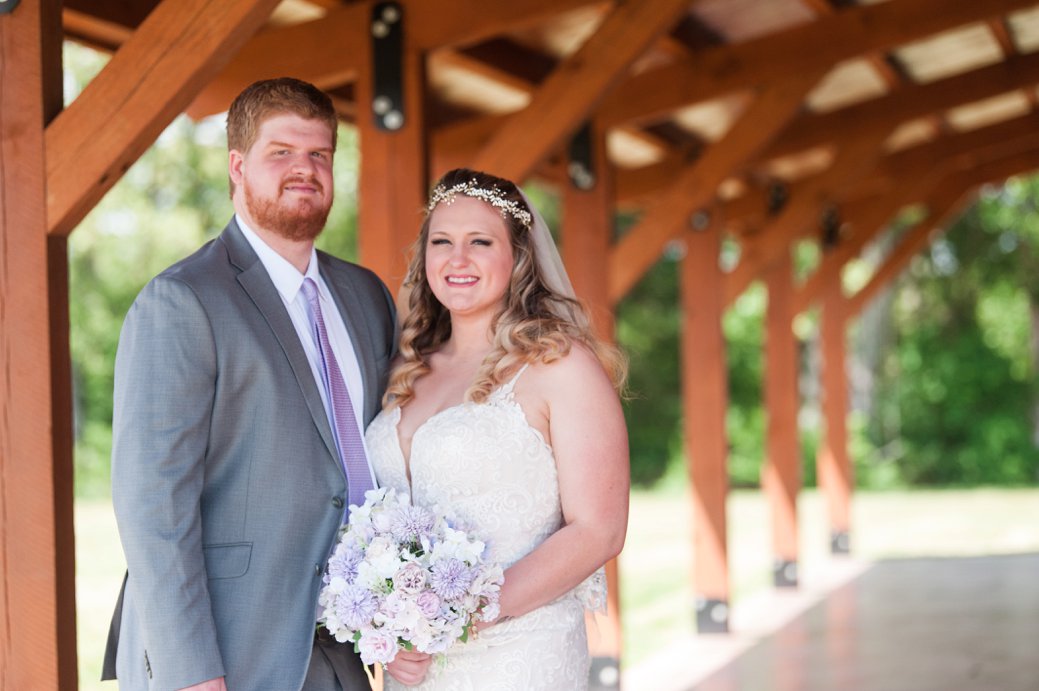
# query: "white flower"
{"type": "Point", "coordinates": [376, 646]}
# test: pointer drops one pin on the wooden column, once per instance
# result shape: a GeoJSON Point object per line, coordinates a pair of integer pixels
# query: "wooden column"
{"type": "Point", "coordinates": [394, 152]}
{"type": "Point", "coordinates": [37, 571]}
{"type": "Point", "coordinates": [833, 463]}
{"type": "Point", "coordinates": [781, 477]}
{"type": "Point", "coordinates": [704, 401]}
{"type": "Point", "coordinates": [587, 234]}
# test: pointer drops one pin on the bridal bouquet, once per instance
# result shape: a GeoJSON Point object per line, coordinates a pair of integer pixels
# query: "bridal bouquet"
{"type": "Point", "coordinates": [401, 577]}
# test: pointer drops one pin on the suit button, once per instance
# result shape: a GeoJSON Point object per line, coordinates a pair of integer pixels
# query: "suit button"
{"type": "Point", "coordinates": [337, 502]}
{"type": "Point", "coordinates": [317, 569]}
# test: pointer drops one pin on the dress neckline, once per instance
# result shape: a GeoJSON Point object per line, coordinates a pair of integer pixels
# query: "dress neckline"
{"type": "Point", "coordinates": [502, 393]}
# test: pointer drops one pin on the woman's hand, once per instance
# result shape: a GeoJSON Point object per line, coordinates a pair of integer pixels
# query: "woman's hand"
{"type": "Point", "coordinates": [409, 667]}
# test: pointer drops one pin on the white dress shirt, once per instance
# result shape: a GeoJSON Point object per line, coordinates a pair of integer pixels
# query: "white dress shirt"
{"type": "Point", "coordinates": [289, 283]}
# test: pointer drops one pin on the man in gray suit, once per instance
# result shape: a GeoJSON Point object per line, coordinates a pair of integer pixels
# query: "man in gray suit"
{"type": "Point", "coordinates": [235, 454]}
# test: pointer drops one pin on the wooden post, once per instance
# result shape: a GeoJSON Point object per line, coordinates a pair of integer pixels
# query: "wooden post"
{"type": "Point", "coordinates": [394, 152]}
{"type": "Point", "coordinates": [781, 478]}
{"type": "Point", "coordinates": [833, 463]}
{"type": "Point", "coordinates": [704, 400]}
{"type": "Point", "coordinates": [37, 570]}
{"type": "Point", "coordinates": [587, 234]}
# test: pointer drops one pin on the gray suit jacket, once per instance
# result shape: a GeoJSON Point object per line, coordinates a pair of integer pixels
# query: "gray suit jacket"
{"type": "Point", "coordinates": [227, 488]}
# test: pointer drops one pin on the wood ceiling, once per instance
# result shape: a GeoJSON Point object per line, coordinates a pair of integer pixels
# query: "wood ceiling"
{"type": "Point", "coordinates": [822, 104]}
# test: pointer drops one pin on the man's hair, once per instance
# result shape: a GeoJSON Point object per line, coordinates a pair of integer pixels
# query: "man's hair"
{"type": "Point", "coordinates": [269, 97]}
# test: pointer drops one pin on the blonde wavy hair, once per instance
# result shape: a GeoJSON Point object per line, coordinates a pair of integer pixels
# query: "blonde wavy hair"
{"type": "Point", "coordinates": [535, 324]}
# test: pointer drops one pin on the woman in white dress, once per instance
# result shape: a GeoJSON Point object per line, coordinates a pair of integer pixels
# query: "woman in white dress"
{"type": "Point", "coordinates": [503, 411]}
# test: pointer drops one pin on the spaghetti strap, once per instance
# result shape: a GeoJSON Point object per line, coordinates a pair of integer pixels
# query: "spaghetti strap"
{"type": "Point", "coordinates": [507, 388]}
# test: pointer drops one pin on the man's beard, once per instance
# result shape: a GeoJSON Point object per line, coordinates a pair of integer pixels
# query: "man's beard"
{"type": "Point", "coordinates": [302, 221]}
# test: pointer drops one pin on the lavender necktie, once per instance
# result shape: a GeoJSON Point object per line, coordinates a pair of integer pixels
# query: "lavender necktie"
{"type": "Point", "coordinates": [347, 434]}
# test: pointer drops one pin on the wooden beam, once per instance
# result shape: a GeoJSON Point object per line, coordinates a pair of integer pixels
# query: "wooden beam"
{"type": "Point", "coordinates": [698, 183]}
{"type": "Point", "coordinates": [704, 402]}
{"type": "Point", "coordinates": [776, 57]}
{"type": "Point", "coordinates": [946, 205]}
{"type": "Point", "coordinates": [781, 476]}
{"type": "Point", "coordinates": [991, 152]}
{"type": "Point", "coordinates": [800, 214]}
{"type": "Point", "coordinates": [587, 232]}
{"type": "Point", "coordinates": [325, 51]}
{"type": "Point", "coordinates": [147, 83]}
{"type": "Point", "coordinates": [37, 569]}
{"type": "Point", "coordinates": [907, 104]}
{"type": "Point", "coordinates": [834, 469]}
{"type": "Point", "coordinates": [576, 86]}
{"type": "Point", "coordinates": [394, 166]}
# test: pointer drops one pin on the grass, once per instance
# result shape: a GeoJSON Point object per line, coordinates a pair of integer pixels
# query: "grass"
{"type": "Point", "coordinates": [656, 592]}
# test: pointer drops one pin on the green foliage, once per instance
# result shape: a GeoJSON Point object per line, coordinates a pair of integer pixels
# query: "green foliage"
{"type": "Point", "coordinates": [648, 330]}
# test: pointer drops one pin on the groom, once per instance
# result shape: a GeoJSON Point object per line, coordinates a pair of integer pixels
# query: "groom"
{"type": "Point", "coordinates": [244, 379]}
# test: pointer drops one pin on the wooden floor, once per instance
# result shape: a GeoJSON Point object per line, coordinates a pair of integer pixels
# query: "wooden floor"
{"type": "Point", "coordinates": [941, 624]}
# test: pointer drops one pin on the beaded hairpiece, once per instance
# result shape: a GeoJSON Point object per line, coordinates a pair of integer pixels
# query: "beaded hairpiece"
{"type": "Point", "coordinates": [493, 196]}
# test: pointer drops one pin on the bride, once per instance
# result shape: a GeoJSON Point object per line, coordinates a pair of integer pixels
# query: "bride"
{"type": "Point", "coordinates": [503, 411]}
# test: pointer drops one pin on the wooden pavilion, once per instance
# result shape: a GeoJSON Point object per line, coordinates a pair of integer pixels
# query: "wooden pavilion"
{"type": "Point", "coordinates": [762, 121]}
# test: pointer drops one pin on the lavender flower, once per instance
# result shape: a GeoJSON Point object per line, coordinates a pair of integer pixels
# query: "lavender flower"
{"type": "Point", "coordinates": [411, 524]}
{"type": "Point", "coordinates": [343, 563]}
{"type": "Point", "coordinates": [450, 578]}
{"type": "Point", "coordinates": [355, 606]}
{"type": "Point", "coordinates": [428, 603]}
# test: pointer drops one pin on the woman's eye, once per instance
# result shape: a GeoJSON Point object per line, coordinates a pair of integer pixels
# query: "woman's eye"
{"type": "Point", "coordinates": [438, 241]}
{"type": "Point", "coordinates": [482, 243]}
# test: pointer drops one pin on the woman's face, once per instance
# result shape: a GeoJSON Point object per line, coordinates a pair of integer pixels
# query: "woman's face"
{"type": "Point", "coordinates": [468, 257]}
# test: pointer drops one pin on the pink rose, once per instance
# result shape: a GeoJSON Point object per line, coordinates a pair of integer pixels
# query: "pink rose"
{"type": "Point", "coordinates": [428, 603]}
{"type": "Point", "coordinates": [377, 646]}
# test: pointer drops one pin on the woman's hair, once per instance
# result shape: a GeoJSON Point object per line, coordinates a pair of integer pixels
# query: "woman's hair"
{"type": "Point", "coordinates": [535, 323]}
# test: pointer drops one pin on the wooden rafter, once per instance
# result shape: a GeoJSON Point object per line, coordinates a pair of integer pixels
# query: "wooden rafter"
{"type": "Point", "coordinates": [775, 57]}
{"type": "Point", "coordinates": [799, 214]}
{"type": "Point", "coordinates": [576, 86]}
{"type": "Point", "coordinates": [324, 51]}
{"type": "Point", "coordinates": [698, 183]}
{"type": "Point", "coordinates": [147, 83]}
{"type": "Point", "coordinates": [911, 102]}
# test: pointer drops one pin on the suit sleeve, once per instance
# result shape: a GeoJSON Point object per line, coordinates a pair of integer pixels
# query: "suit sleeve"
{"type": "Point", "coordinates": [165, 375]}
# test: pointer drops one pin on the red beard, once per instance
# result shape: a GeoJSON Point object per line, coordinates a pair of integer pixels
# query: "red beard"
{"type": "Point", "coordinates": [303, 221]}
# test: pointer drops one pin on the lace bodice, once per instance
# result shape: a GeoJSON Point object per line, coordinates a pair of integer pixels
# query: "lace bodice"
{"type": "Point", "coordinates": [494, 474]}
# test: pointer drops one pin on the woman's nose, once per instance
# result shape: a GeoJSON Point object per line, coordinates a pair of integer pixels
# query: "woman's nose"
{"type": "Point", "coordinates": [459, 254]}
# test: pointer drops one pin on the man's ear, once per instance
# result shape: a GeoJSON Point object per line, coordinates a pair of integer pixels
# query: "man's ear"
{"type": "Point", "coordinates": [235, 161]}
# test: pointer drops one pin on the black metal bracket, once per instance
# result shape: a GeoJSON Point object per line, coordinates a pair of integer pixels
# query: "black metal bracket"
{"type": "Point", "coordinates": [580, 164]}
{"type": "Point", "coordinates": [712, 616]}
{"type": "Point", "coordinates": [840, 542]}
{"type": "Point", "coordinates": [784, 573]}
{"type": "Point", "coordinates": [605, 674]}
{"type": "Point", "coordinates": [777, 196]}
{"type": "Point", "coordinates": [387, 29]}
{"type": "Point", "coordinates": [831, 226]}
{"type": "Point", "coordinates": [7, 6]}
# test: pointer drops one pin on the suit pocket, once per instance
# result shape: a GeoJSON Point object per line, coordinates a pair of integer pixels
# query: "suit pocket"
{"type": "Point", "coordinates": [227, 561]}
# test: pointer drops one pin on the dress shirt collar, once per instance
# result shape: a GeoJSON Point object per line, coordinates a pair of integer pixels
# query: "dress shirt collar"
{"type": "Point", "coordinates": [286, 277]}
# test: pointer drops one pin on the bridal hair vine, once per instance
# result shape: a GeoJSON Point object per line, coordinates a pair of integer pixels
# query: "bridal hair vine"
{"type": "Point", "coordinates": [493, 196]}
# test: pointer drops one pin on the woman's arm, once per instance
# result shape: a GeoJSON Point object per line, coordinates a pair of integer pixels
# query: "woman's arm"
{"type": "Point", "coordinates": [590, 443]}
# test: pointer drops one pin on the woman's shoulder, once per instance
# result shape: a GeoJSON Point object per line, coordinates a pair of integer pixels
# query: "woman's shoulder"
{"type": "Point", "coordinates": [577, 368]}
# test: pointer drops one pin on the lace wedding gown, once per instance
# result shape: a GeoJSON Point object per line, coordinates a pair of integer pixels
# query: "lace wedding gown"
{"type": "Point", "coordinates": [488, 468]}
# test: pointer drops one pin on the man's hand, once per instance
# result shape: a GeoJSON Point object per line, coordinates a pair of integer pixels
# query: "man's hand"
{"type": "Point", "coordinates": [211, 685]}
{"type": "Point", "coordinates": [409, 667]}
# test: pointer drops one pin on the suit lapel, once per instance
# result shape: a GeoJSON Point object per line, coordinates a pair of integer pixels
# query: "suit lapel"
{"type": "Point", "coordinates": [344, 293]}
{"type": "Point", "coordinates": [256, 282]}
